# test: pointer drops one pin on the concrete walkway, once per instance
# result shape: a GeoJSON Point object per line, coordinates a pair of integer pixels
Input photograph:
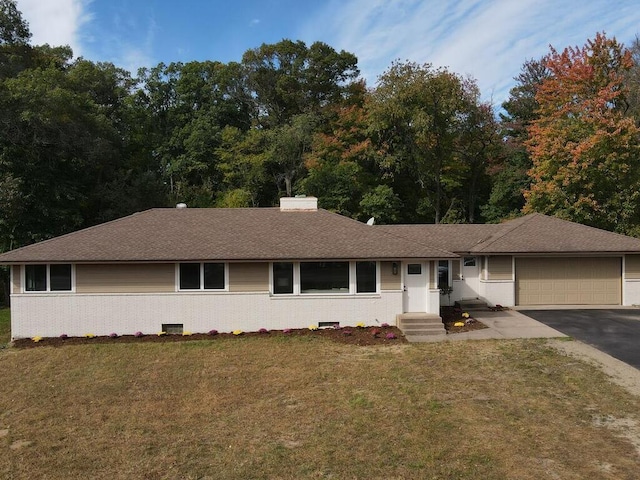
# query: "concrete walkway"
{"type": "Point", "coordinates": [505, 324]}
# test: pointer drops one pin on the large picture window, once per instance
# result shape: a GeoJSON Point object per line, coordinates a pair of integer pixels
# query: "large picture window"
{"type": "Point", "coordinates": [283, 278]}
{"type": "Point", "coordinates": [48, 278]}
{"type": "Point", "coordinates": [324, 277]}
{"type": "Point", "coordinates": [366, 281]}
{"type": "Point", "coordinates": [202, 276]}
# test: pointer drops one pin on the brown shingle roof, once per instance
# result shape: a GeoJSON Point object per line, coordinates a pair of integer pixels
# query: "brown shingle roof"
{"type": "Point", "coordinates": [535, 233]}
{"type": "Point", "coordinates": [224, 234]}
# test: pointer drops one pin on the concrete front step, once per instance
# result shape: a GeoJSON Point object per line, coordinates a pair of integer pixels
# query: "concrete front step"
{"type": "Point", "coordinates": [471, 304]}
{"type": "Point", "coordinates": [418, 327]}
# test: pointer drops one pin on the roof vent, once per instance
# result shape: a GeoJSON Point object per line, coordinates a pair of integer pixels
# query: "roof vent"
{"type": "Point", "coordinates": [298, 203]}
{"type": "Point", "coordinates": [181, 205]}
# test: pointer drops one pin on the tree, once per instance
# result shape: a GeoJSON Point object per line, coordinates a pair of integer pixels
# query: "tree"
{"type": "Point", "coordinates": [427, 125]}
{"type": "Point", "coordinates": [288, 79]}
{"type": "Point", "coordinates": [509, 168]}
{"type": "Point", "coordinates": [585, 151]}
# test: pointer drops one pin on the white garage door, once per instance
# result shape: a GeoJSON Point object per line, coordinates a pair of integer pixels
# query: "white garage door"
{"type": "Point", "coordinates": [568, 281]}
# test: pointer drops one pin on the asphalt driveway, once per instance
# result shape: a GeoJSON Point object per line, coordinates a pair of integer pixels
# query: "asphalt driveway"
{"type": "Point", "coordinates": [616, 332]}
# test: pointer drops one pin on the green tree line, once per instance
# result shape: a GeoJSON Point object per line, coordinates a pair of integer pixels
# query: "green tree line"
{"type": "Point", "coordinates": [85, 142]}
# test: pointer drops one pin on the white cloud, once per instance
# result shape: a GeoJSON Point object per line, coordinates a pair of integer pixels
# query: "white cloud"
{"type": "Point", "coordinates": [486, 39]}
{"type": "Point", "coordinates": [56, 22]}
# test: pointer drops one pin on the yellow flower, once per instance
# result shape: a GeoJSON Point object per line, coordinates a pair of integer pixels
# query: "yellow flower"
{"type": "Point", "coordinates": [89, 335]}
{"type": "Point", "coordinates": [313, 327]}
{"type": "Point", "coordinates": [36, 339]}
{"type": "Point", "coordinates": [161, 333]}
{"type": "Point", "coordinates": [458, 324]}
{"type": "Point", "coordinates": [360, 324]}
{"type": "Point", "coordinates": [237, 332]}
{"type": "Point", "coordinates": [186, 334]}
{"type": "Point", "coordinates": [465, 315]}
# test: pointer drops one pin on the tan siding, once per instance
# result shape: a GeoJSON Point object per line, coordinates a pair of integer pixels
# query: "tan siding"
{"type": "Point", "coordinates": [16, 270]}
{"type": "Point", "coordinates": [500, 268]}
{"type": "Point", "coordinates": [249, 277]}
{"type": "Point", "coordinates": [632, 266]}
{"type": "Point", "coordinates": [131, 278]}
{"type": "Point", "coordinates": [455, 269]}
{"type": "Point", "coordinates": [389, 281]}
{"type": "Point", "coordinates": [433, 274]}
{"type": "Point", "coordinates": [568, 281]}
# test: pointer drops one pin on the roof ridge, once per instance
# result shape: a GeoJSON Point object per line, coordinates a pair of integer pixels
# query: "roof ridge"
{"type": "Point", "coordinates": [508, 227]}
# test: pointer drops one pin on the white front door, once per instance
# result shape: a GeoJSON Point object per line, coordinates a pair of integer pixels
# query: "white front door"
{"type": "Point", "coordinates": [471, 277]}
{"type": "Point", "coordinates": [415, 287]}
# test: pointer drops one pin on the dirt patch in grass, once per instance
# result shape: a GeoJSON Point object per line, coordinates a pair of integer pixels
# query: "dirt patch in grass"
{"type": "Point", "coordinates": [302, 406]}
{"type": "Point", "coordinates": [362, 336]}
{"type": "Point", "coordinates": [453, 316]}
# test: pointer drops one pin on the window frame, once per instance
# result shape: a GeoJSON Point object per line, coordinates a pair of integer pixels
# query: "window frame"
{"type": "Point", "coordinates": [201, 278]}
{"type": "Point", "coordinates": [23, 279]}
{"type": "Point", "coordinates": [449, 273]}
{"type": "Point", "coordinates": [297, 281]}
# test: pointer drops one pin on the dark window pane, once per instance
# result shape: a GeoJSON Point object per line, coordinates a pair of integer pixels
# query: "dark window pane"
{"type": "Point", "coordinates": [214, 276]}
{"type": "Point", "coordinates": [324, 277]}
{"type": "Point", "coordinates": [189, 276]}
{"type": "Point", "coordinates": [365, 277]}
{"type": "Point", "coordinates": [443, 273]}
{"type": "Point", "coordinates": [60, 277]}
{"type": "Point", "coordinates": [469, 261]}
{"type": "Point", "coordinates": [283, 277]}
{"type": "Point", "coordinates": [414, 269]}
{"type": "Point", "coordinates": [35, 278]}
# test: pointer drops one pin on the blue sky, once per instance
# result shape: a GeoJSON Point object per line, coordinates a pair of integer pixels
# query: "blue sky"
{"type": "Point", "coordinates": [488, 40]}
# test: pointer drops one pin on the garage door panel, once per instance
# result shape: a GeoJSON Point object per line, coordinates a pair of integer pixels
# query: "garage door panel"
{"type": "Point", "coordinates": [568, 281]}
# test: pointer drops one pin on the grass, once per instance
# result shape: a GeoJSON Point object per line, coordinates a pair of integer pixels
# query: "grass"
{"type": "Point", "coordinates": [298, 408]}
{"type": "Point", "coordinates": [5, 326]}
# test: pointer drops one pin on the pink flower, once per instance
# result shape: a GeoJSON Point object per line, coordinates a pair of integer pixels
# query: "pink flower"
{"type": "Point", "coordinates": [213, 332]}
{"type": "Point", "coordinates": [390, 336]}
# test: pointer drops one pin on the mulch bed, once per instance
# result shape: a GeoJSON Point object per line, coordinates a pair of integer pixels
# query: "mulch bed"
{"type": "Point", "coordinates": [451, 315]}
{"type": "Point", "coordinates": [349, 335]}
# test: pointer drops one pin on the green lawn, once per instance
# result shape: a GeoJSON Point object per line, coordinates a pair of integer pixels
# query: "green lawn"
{"type": "Point", "coordinates": [5, 325]}
{"type": "Point", "coordinates": [302, 407]}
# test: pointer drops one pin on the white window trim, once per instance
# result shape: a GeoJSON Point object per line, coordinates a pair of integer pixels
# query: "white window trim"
{"type": "Point", "coordinates": [202, 289]}
{"type": "Point", "coordinates": [23, 279]}
{"type": "Point", "coordinates": [352, 281]}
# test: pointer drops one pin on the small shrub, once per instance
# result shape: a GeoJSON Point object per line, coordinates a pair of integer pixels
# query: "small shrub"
{"type": "Point", "coordinates": [113, 335]}
{"type": "Point", "coordinates": [36, 339]}
{"type": "Point", "coordinates": [313, 327]}
{"type": "Point", "coordinates": [89, 335]}
{"type": "Point", "coordinates": [465, 315]}
{"type": "Point", "coordinates": [286, 330]}
{"type": "Point", "coordinates": [186, 334]}
{"type": "Point", "coordinates": [237, 332]}
{"type": "Point", "coordinates": [213, 332]}
{"type": "Point", "coordinates": [390, 336]}
{"type": "Point", "coordinates": [161, 334]}
{"type": "Point", "coordinates": [138, 334]}
{"type": "Point", "coordinates": [64, 336]}
{"type": "Point", "coordinates": [263, 330]}
{"type": "Point", "coordinates": [360, 325]}
{"type": "Point", "coordinates": [375, 332]}
{"type": "Point", "coordinates": [385, 325]}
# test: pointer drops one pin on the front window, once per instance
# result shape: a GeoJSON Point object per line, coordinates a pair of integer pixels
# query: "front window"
{"type": "Point", "coordinates": [47, 278]}
{"type": "Point", "coordinates": [443, 274]}
{"type": "Point", "coordinates": [35, 278]}
{"type": "Point", "coordinates": [366, 277]}
{"type": "Point", "coordinates": [283, 278]}
{"type": "Point", "coordinates": [202, 276]}
{"type": "Point", "coordinates": [324, 277]}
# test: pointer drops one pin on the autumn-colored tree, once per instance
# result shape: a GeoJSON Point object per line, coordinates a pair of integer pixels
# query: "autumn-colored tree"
{"type": "Point", "coordinates": [585, 151]}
